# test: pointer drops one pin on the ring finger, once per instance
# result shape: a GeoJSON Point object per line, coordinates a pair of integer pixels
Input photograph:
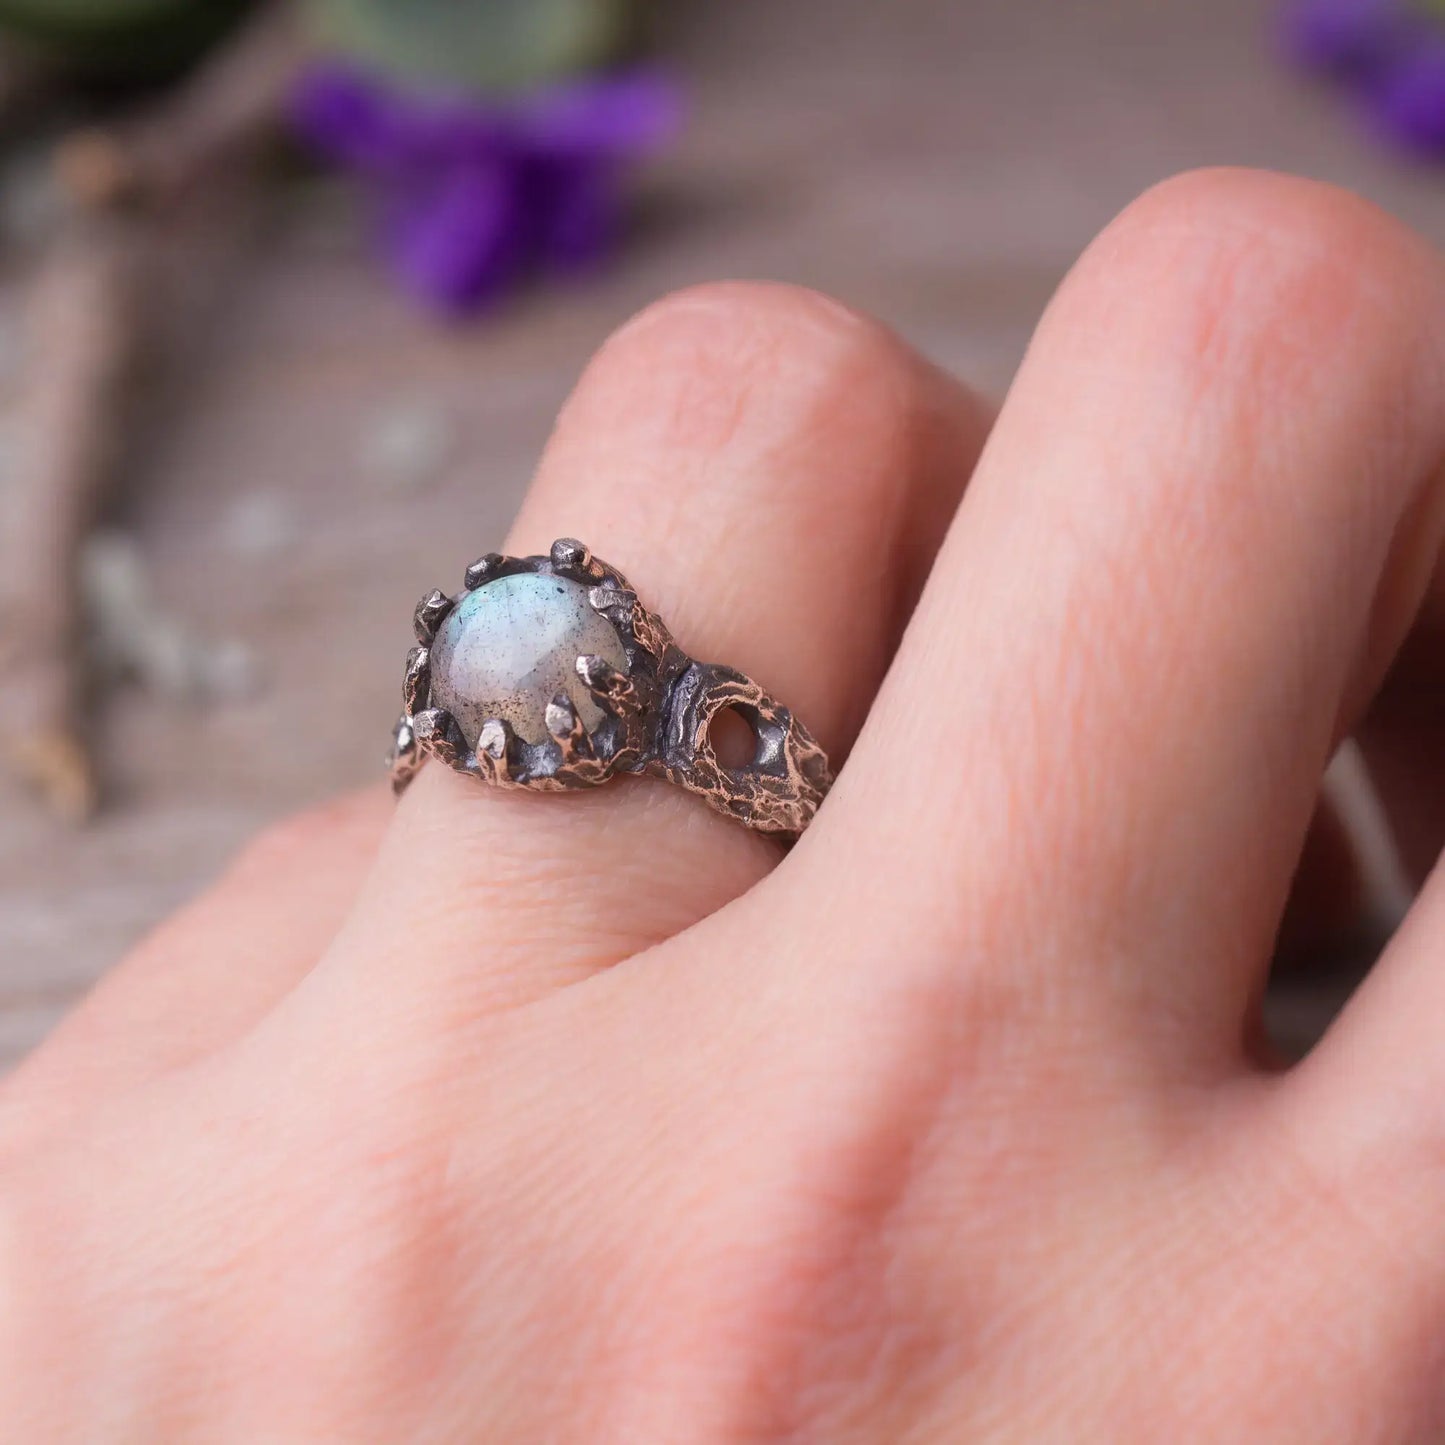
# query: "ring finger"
{"type": "Point", "coordinates": [774, 474]}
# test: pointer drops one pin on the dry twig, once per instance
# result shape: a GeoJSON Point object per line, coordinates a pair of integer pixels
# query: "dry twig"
{"type": "Point", "coordinates": [86, 334]}
{"type": "Point", "coordinates": [82, 331]}
{"type": "Point", "coordinates": [213, 120]}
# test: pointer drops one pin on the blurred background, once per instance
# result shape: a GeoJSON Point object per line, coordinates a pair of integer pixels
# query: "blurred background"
{"type": "Point", "coordinates": [290, 294]}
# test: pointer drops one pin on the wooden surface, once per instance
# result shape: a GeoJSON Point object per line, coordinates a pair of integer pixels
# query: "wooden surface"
{"type": "Point", "coordinates": [938, 163]}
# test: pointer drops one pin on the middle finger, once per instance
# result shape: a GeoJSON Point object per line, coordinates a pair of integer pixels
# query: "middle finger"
{"type": "Point", "coordinates": [1095, 762]}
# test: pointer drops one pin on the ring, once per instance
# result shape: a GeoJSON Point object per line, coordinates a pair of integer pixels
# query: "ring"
{"type": "Point", "coordinates": [548, 673]}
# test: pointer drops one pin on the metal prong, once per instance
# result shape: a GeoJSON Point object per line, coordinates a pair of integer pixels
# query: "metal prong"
{"type": "Point", "coordinates": [403, 740]}
{"type": "Point", "coordinates": [416, 686]}
{"type": "Point", "coordinates": [602, 679]}
{"type": "Point", "coordinates": [481, 569]}
{"type": "Point", "coordinates": [569, 730]}
{"type": "Point", "coordinates": [403, 759]}
{"type": "Point", "coordinates": [432, 729]}
{"type": "Point", "coordinates": [561, 718]}
{"type": "Point", "coordinates": [429, 614]}
{"type": "Point", "coordinates": [494, 747]}
{"type": "Point", "coordinates": [613, 603]}
{"type": "Point", "coordinates": [569, 554]}
{"type": "Point", "coordinates": [494, 737]}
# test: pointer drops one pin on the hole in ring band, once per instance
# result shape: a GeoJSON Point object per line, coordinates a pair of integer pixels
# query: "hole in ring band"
{"type": "Point", "coordinates": [733, 737]}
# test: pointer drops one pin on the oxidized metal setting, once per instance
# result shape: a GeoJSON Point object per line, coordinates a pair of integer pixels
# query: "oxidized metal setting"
{"type": "Point", "coordinates": [655, 717]}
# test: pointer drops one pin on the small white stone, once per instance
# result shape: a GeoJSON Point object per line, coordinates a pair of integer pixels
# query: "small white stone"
{"type": "Point", "coordinates": [507, 649]}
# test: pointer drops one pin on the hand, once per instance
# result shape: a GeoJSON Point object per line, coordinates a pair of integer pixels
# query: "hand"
{"type": "Point", "coordinates": [597, 1119]}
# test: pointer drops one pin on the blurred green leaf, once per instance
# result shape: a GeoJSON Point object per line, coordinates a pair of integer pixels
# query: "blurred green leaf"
{"type": "Point", "coordinates": [479, 44]}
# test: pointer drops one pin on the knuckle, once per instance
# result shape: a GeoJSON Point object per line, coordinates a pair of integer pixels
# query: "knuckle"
{"type": "Point", "coordinates": [738, 364]}
{"type": "Point", "coordinates": [743, 319]}
{"type": "Point", "coordinates": [1254, 327]}
{"type": "Point", "coordinates": [1293, 209]}
{"type": "Point", "coordinates": [1267, 280]}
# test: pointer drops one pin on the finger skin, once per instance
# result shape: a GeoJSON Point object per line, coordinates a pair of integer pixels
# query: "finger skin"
{"type": "Point", "coordinates": [206, 975]}
{"type": "Point", "coordinates": [772, 472]}
{"type": "Point", "coordinates": [1364, 1113]}
{"type": "Point", "coordinates": [1197, 536]}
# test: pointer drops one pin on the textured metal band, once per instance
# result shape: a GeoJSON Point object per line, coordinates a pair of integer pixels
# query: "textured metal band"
{"type": "Point", "coordinates": [656, 717]}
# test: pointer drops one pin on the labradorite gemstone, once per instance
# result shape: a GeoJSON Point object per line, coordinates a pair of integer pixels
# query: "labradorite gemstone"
{"type": "Point", "coordinates": [507, 649]}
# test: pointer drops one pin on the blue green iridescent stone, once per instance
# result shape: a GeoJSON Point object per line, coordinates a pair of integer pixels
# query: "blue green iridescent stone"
{"type": "Point", "coordinates": [507, 649]}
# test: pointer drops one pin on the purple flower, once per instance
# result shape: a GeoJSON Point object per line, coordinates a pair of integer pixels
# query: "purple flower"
{"type": "Point", "coordinates": [1344, 37]}
{"type": "Point", "coordinates": [474, 192]}
{"type": "Point", "coordinates": [1408, 99]}
{"type": "Point", "coordinates": [1390, 52]}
